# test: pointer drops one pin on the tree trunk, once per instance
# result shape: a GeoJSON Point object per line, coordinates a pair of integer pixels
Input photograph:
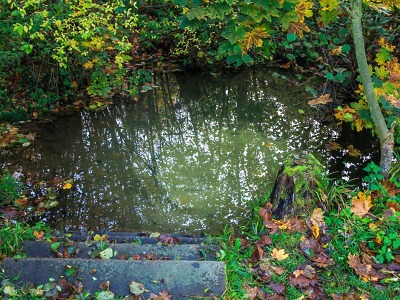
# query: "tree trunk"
{"type": "Point", "coordinates": [385, 136]}
{"type": "Point", "coordinates": [292, 194]}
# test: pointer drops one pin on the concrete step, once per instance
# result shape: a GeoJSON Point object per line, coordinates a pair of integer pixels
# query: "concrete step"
{"type": "Point", "coordinates": [132, 237]}
{"type": "Point", "coordinates": [182, 279]}
{"type": "Point", "coordinates": [124, 251]}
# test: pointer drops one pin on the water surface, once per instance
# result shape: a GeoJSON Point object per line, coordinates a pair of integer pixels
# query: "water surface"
{"type": "Point", "coordinates": [187, 156]}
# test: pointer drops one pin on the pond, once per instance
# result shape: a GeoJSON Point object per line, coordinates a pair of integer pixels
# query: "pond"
{"type": "Point", "coordinates": [186, 157]}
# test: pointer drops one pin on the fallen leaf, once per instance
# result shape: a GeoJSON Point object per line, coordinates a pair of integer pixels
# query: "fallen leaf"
{"type": "Point", "coordinates": [364, 268]}
{"type": "Point", "coordinates": [136, 288]}
{"type": "Point", "coordinates": [317, 217]}
{"type": "Point", "coordinates": [278, 270]}
{"type": "Point", "coordinates": [104, 286]}
{"type": "Point", "coordinates": [279, 254]}
{"type": "Point", "coordinates": [347, 296]}
{"type": "Point", "coordinates": [333, 146]}
{"type": "Point", "coordinates": [361, 204]}
{"type": "Point", "coordinates": [107, 253]}
{"type": "Point", "coordinates": [105, 295]}
{"type": "Point", "coordinates": [315, 231]}
{"type": "Point", "coordinates": [38, 235]}
{"type": "Point", "coordinates": [278, 288]}
{"type": "Point", "coordinates": [353, 151]}
{"type": "Point", "coordinates": [265, 240]}
{"type": "Point", "coordinates": [163, 295]}
{"type": "Point", "coordinates": [322, 100]}
{"type": "Point", "coordinates": [167, 239]}
{"type": "Point", "coordinates": [67, 186]}
{"type": "Point", "coordinates": [257, 254]}
{"type": "Point", "coordinates": [155, 235]}
{"type": "Point", "coordinates": [251, 292]}
{"type": "Point", "coordinates": [100, 238]}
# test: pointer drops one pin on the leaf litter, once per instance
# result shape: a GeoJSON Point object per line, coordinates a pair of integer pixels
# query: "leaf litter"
{"type": "Point", "coordinates": [313, 248]}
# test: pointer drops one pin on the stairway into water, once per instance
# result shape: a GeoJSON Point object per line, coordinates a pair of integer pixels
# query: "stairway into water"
{"type": "Point", "coordinates": [183, 267]}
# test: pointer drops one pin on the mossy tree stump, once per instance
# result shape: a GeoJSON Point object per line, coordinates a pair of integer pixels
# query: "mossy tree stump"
{"type": "Point", "coordinates": [292, 194]}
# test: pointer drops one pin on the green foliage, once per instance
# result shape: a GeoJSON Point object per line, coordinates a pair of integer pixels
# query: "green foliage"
{"type": "Point", "coordinates": [52, 49]}
{"type": "Point", "coordinates": [9, 189]}
{"type": "Point", "coordinates": [13, 233]}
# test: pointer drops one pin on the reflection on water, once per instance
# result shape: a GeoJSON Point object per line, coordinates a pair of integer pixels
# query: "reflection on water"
{"type": "Point", "coordinates": [186, 157]}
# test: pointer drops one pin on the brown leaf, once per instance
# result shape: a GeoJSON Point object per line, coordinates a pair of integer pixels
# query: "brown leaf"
{"type": "Point", "coordinates": [322, 261]}
{"type": "Point", "coordinates": [257, 254]}
{"type": "Point", "coordinates": [347, 296]}
{"type": "Point", "coordinates": [167, 239]}
{"type": "Point", "coordinates": [278, 288]}
{"type": "Point", "coordinates": [310, 247]}
{"type": "Point", "coordinates": [301, 281]}
{"type": "Point", "coordinates": [296, 224]}
{"type": "Point", "coordinates": [265, 212]}
{"type": "Point", "coordinates": [104, 286]}
{"type": "Point", "coordinates": [353, 151]}
{"type": "Point", "coordinates": [317, 217]}
{"type": "Point", "coordinates": [286, 66]}
{"type": "Point", "coordinates": [332, 146]}
{"type": "Point", "coordinates": [265, 240]}
{"type": "Point", "coordinates": [364, 268]}
{"type": "Point", "coordinates": [323, 99]}
{"type": "Point", "coordinates": [251, 292]}
{"type": "Point", "coordinates": [361, 204]}
{"type": "Point", "coordinates": [308, 272]}
{"type": "Point", "coordinates": [163, 295]}
{"type": "Point", "coordinates": [278, 270]}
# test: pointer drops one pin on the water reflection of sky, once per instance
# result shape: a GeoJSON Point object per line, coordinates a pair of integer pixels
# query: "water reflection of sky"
{"type": "Point", "coordinates": [186, 157]}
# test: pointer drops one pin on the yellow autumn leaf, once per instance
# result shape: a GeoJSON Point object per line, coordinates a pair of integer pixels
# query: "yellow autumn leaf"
{"type": "Point", "coordinates": [304, 9]}
{"type": "Point", "coordinates": [361, 204]}
{"type": "Point", "coordinates": [254, 38]}
{"type": "Point", "coordinates": [315, 230]}
{"type": "Point", "coordinates": [329, 5]}
{"type": "Point", "coordinates": [298, 28]}
{"type": "Point", "coordinates": [336, 51]}
{"type": "Point", "coordinates": [88, 65]}
{"type": "Point", "coordinates": [317, 217]}
{"type": "Point", "coordinates": [99, 238]}
{"type": "Point", "coordinates": [279, 254]}
{"type": "Point", "coordinates": [67, 186]}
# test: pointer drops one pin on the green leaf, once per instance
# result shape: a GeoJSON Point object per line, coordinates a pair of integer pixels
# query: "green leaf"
{"type": "Point", "coordinates": [247, 59]}
{"type": "Point", "coordinates": [196, 13]}
{"type": "Point", "coordinates": [55, 246]}
{"type": "Point", "coordinates": [329, 76]}
{"type": "Point", "coordinates": [291, 37]}
{"type": "Point", "coordinates": [346, 48]}
{"type": "Point", "coordinates": [136, 288]}
{"type": "Point", "coordinates": [219, 10]}
{"type": "Point", "coordinates": [107, 253]}
{"type": "Point", "coordinates": [234, 33]}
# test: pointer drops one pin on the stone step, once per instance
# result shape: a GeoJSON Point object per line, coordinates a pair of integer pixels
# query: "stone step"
{"type": "Point", "coordinates": [182, 279]}
{"type": "Point", "coordinates": [124, 251]}
{"type": "Point", "coordinates": [133, 237]}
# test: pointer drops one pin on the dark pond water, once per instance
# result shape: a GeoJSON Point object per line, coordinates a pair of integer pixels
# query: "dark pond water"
{"type": "Point", "coordinates": [187, 156]}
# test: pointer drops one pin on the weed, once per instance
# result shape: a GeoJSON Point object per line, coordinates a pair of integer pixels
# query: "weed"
{"type": "Point", "coordinates": [13, 233]}
{"type": "Point", "coordinates": [9, 189]}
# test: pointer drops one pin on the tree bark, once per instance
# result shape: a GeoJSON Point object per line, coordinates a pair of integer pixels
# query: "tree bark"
{"type": "Point", "coordinates": [292, 194]}
{"type": "Point", "coordinates": [384, 134]}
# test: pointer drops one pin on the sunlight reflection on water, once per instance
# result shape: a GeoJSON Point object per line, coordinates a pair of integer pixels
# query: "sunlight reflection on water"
{"type": "Point", "coordinates": [186, 157]}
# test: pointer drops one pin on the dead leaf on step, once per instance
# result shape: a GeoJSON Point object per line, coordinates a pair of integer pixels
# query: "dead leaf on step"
{"type": "Point", "coordinates": [163, 295]}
